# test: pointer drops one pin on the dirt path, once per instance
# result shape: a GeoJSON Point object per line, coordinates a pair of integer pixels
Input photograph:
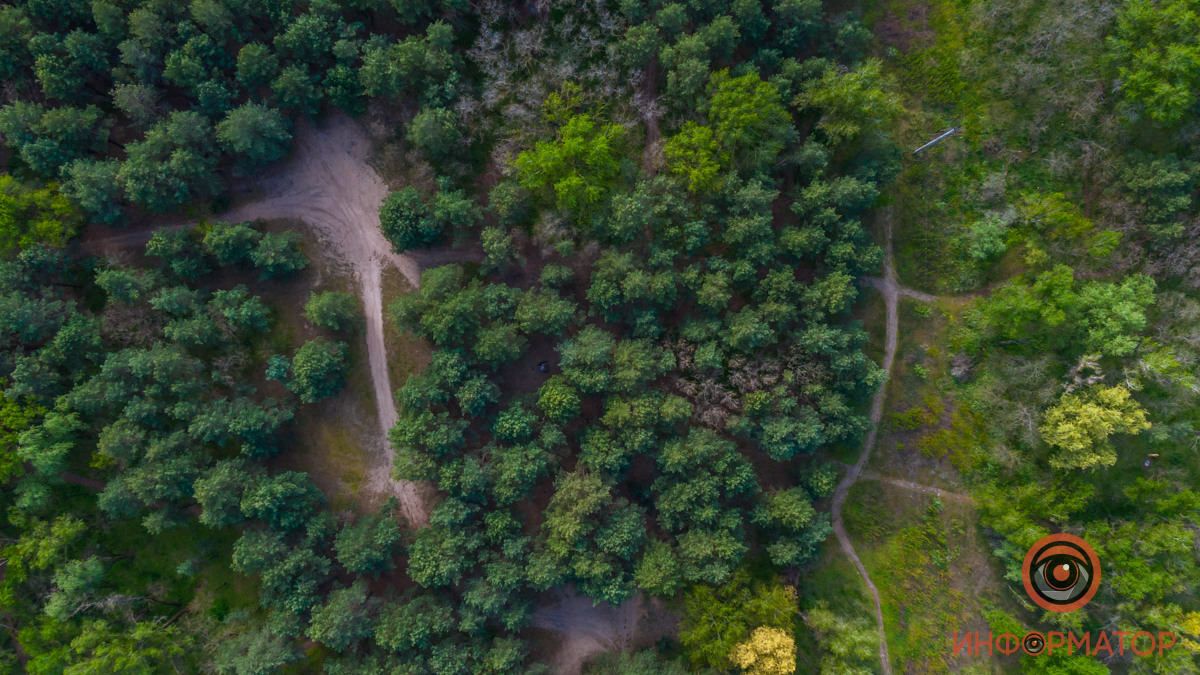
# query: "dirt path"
{"type": "Point", "coordinates": [879, 284]}
{"type": "Point", "coordinates": [889, 288]}
{"type": "Point", "coordinates": [946, 495]}
{"type": "Point", "coordinates": [328, 184]}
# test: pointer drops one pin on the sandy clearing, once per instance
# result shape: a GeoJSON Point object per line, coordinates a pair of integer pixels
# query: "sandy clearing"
{"type": "Point", "coordinates": [328, 184]}
{"type": "Point", "coordinates": [590, 629]}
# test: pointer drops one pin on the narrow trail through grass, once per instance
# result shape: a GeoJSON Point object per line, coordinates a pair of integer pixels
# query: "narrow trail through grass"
{"type": "Point", "coordinates": [889, 288]}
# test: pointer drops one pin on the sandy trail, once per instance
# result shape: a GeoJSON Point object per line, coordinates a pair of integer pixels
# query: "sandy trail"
{"type": "Point", "coordinates": [328, 184]}
{"type": "Point", "coordinates": [889, 288]}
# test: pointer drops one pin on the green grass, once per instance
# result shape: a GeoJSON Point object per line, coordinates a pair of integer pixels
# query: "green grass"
{"type": "Point", "coordinates": [924, 559]}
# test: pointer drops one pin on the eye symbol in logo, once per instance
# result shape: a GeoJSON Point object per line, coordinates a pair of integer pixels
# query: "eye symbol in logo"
{"type": "Point", "coordinates": [1061, 573]}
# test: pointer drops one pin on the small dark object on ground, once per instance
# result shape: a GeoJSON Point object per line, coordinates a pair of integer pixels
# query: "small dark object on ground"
{"type": "Point", "coordinates": [543, 367]}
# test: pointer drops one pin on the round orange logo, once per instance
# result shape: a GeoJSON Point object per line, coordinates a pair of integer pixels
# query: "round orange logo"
{"type": "Point", "coordinates": [1061, 573]}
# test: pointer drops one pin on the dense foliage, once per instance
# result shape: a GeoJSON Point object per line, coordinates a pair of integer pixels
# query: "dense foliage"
{"type": "Point", "coordinates": [645, 356]}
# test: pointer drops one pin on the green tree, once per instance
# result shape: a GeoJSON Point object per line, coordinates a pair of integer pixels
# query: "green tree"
{"type": "Point", "coordinates": [716, 619]}
{"type": "Point", "coordinates": [49, 138]}
{"type": "Point", "coordinates": [796, 528]}
{"type": "Point", "coordinates": [851, 103]}
{"type": "Point", "coordinates": [848, 646]}
{"type": "Point", "coordinates": [347, 616]}
{"type": "Point", "coordinates": [748, 119]}
{"type": "Point", "coordinates": [278, 254]}
{"type": "Point", "coordinates": [434, 131]}
{"type": "Point", "coordinates": [408, 221]}
{"type": "Point", "coordinates": [231, 244]}
{"type": "Point", "coordinates": [694, 155]}
{"type": "Point", "coordinates": [286, 501]}
{"type": "Point", "coordinates": [368, 546]}
{"type": "Point", "coordinates": [296, 90]}
{"type": "Point", "coordinates": [415, 623]}
{"type": "Point", "coordinates": [544, 311]}
{"type": "Point", "coordinates": [219, 492]}
{"type": "Point", "coordinates": [587, 359]}
{"type": "Point", "coordinates": [174, 164]}
{"type": "Point", "coordinates": [257, 66]}
{"type": "Point", "coordinates": [92, 184]}
{"type": "Point", "coordinates": [141, 103]}
{"type": "Point", "coordinates": [1157, 53]}
{"type": "Point", "coordinates": [255, 134]}
{"type": "Point", "coordinates": [558, 400]}
{"type": "Point", "coordinates": [333, 310]}
{"type": "Point", "coordinates": [319, 369]}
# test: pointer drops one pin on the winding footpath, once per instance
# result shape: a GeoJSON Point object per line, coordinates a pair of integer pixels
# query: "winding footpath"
{"type": "Point", "coordinates": [889, 288]}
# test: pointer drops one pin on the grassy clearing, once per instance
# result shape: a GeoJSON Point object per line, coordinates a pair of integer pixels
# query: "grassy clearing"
{"type": "Point", "coordinates": [931, 568]}
{"type": "Point", "coordinates": [833, 580]}
{"type": "Point", "coordinates": [407, 353]}
{"type": "Point", "coordinates": [920, 401]}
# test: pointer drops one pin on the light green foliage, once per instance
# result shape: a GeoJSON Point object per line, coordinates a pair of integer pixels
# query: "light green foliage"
{"type": "Point", "coordinates": [108, 647]}
{"type": "Point", "coordinates": [231, 244]}
{"type": "Point", "coordinates": [848, 645]}
{"type": "Point", "coordinates": [558, 400]}
{"type": "Point", "coordinates": [1054, 309]}
{"type": "Point", "coordinates": [658, 571]}
{"type": "Point", "coordinates": [852, 103]}
{"type": "Point", "coordinates": [578, 167]}
{"type": "Point", "coordinates": [16, 417]}
{"type": "Point", "coordinates": [333, 310]}
{"type": "Point", "coordinates": [1079, 426]}
{"type": "Point", "coordinates": [748, 119]}
{"type": "Point", "coordinates": [31, 216]}
{"type": "Point", "coordinates": [694, 155]}
{"type": "Point", "coordinates": [715, 619]}
{"type": "Point", "coordinates": [1157, 53]}
{"type": "Point", "coordinates": [319, 369]}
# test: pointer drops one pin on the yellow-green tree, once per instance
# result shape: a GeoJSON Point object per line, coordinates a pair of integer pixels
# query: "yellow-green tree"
{"type": "Point", "coordinates": [1080, 423]}
{"type": "Point", "coordinates": [33, 216]}
{"type": "Point", "coordinates": [768, 651]}
{"type": "Point", "coordinates": [578, 167]}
